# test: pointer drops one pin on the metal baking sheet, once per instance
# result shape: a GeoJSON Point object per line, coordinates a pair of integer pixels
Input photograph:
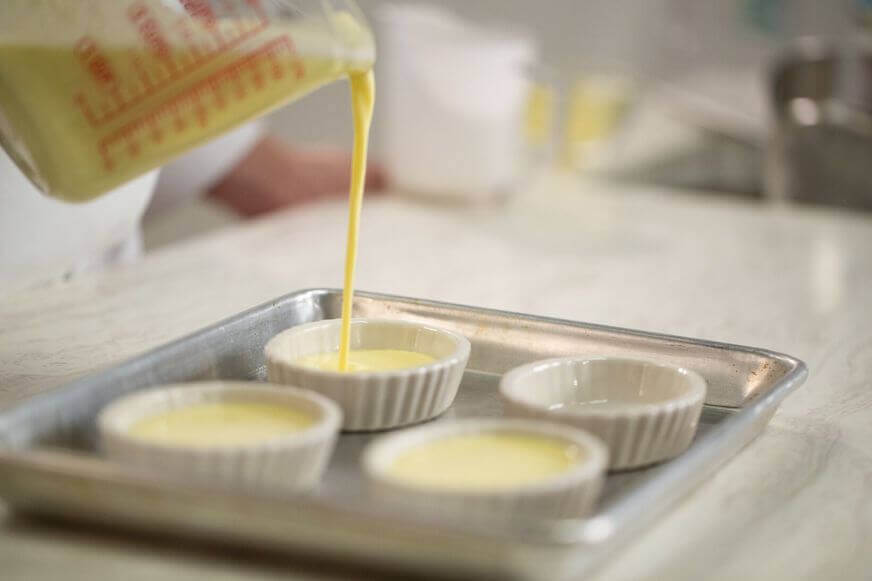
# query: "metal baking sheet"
{"type": "Point", "coordinates": [48, 463]}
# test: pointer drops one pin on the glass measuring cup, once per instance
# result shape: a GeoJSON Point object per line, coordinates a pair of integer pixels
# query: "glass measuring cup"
{"type": "Point", "coordinates": [96, 92]}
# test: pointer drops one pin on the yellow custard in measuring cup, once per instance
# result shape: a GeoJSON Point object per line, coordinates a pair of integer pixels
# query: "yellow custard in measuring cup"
{"type": "Point", "coordinates": [94, 93]}
{"type": "Point", "coordinates": [485, 461]}
{"type": "Point", "coordinates": [368, 360]}
{"type": "Point", "coordinates": [225, 423]}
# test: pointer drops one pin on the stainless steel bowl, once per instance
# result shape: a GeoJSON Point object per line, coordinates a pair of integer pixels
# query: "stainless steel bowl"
{"type": "Point", "coordinates": [820, 147]}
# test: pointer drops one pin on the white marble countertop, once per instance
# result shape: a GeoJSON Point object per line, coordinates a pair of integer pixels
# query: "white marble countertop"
{"type": "Point", "coordinates": [797, 503]}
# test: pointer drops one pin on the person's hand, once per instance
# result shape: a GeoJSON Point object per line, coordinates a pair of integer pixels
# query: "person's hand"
{"type": "Point", "coordinates": [274, 175]}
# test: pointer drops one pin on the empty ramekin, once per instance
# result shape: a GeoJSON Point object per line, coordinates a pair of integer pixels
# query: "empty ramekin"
{"type": "Point", "coordinates": [285, 463]}
{"type": "Point", "coordinates": [572, 493]}
{"type": "Point", "coordinates": [374, 400]}
{"type": "Point", "coordinates": [644, 412]}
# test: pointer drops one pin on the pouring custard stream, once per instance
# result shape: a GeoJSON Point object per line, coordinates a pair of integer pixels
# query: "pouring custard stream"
{"type": "Point", "coordinates": [362, 100]}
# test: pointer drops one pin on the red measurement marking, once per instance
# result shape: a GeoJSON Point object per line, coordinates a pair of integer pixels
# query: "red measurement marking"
{"type": "Point", "coordinates": [220, 102]}
{"type": "Point", "coordinates": [141, 73]}
{"type": "Point", "coordinates": [258, 80]}
{"type": "Point", "coordinates": [192, 47]}
{"type": "Point", "coordinates": [239, 93]}
{"type": "Point", "coordinates": [95, 62]}
{"type": "Point", "coordinates": [149, 30]}
{"type": "Point", "coordinates": [200, 10]}
{"type": "Point", "coordinates": [83, 106]}
{"type": "Point", "coordinates": [193, 96]}
{"type": "Point", "coordinates": [158, 85]}
{"type": "Point", "coordinates": [299, 69]}
{"type": "Point", "coordinates": [152, 85]}
{"type": "Point", "coordinates": [108, 164]}
{"type": "Point", "coordinates": [200, 114]}
{"type": "Point", "coordinates": [170, 66]}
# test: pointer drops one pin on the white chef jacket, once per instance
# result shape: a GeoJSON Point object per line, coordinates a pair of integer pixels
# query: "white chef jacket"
{"type": "Point", "coordinates": [44, 240]}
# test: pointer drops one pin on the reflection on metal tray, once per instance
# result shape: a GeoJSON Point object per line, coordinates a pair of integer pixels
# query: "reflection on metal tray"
{"type": "Point", "coordinates": [48, 464]}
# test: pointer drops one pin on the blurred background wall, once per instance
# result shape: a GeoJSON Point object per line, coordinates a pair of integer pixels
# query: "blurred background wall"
{"type": "Point", "coordinates": [650, 40]}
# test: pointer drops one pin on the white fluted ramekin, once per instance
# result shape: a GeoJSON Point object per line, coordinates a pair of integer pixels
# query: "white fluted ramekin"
{"type": "Point", "coordinates": [643, 411]}
{"type": "Point", "coordinates": [374, 400]}
{"type": "Point", "coordinates": [287, 463]}
{"type": "Point", "coordinates": [572, 493]}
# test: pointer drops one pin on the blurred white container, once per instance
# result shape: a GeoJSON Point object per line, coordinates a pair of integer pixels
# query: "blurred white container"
{"type": "Point", "coordinates": [450, 102]}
